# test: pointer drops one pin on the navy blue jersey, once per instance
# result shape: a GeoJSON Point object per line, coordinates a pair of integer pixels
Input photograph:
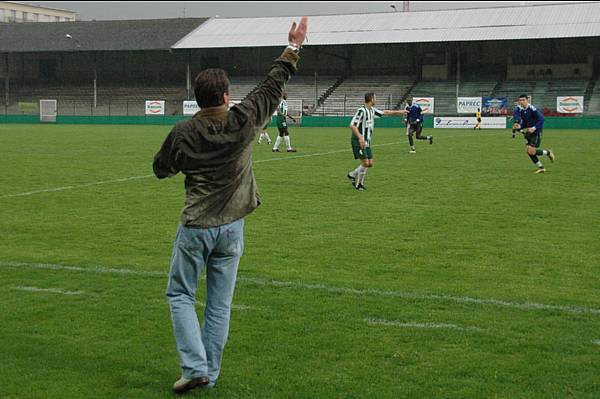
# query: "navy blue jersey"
{"type": "Point", "coordinates": [415, 114]}
{"type": "Point", "coordinates": [529, 117]}
{"type": "Point", "coordinates": [517, 114]}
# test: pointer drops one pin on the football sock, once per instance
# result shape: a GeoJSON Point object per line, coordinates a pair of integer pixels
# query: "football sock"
{"type": "Point", "coordinates": [534, 159]}
{"type": "Point", "coordinates": [277, 142]}
{"type": "Point", "coordinates": [287, 142]}
{"type": "Point", "coordinates": [356, 171]}
{"type": "Point", "coordinates": [411, 142]}
{"type": "Point", "coordinates": [361, 176]}
{"type": "Point", "coordinates": [541, 152]}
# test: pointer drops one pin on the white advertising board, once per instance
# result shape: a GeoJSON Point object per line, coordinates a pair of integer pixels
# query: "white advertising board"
{"type": "Point", "coordinates": [468, 122]}
{"type": "Point", "coordinates": [155, 107]}
{"type": "Point", "coordinates": [468, 105]}
{"type": "Point", "coordinates": [569, 104]}
{"type": "Point", "coordinates": [190, 107]}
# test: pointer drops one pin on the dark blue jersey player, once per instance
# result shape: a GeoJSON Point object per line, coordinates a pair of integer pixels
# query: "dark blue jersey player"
{"type": "Point", "coordinates": [531, 120]}
{"type": "Point", "coordinates": [414, 124]}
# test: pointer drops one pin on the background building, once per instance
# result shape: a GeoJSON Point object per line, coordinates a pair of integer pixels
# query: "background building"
{"type": "Point", "coordinates": [18, 12]}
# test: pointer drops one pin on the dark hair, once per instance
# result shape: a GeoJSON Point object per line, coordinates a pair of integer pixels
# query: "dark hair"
{"type": "Point", "coordinates": [523, 96]}
{"type": "Point", "coordinates": [369, 97]}
{"type": "Point", "coordinates": [210, 85]}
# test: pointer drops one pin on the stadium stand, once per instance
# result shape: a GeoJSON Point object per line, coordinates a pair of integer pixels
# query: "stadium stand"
{"type": "Point", "coordinates": [350, 94]}
{"type": "Point", "coordinates": [543, 92]}
{"type": "Point", "coordinates": [153, 59]}
{"type": "Point", "coordinates": [593, 104]}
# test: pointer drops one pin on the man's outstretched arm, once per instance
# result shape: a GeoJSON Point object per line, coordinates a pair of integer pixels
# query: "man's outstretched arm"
{"type": "Point", "coordinates": [262, 102]}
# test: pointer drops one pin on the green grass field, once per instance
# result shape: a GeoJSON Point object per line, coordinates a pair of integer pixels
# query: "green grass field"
{"type": "Point", "coordinates": [458, 274]}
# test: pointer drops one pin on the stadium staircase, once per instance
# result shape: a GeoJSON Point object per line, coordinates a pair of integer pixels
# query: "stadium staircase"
{"type": "Point", "coordinates": [330, 90]}
{"type": "Point", "coordinates": [497, 86]}
{"type": "Point", "coordinates": [350, 94]}
{"type": "Point", "coordinates": [589, 91]}
{"type": "Point", "coordinates": [592, 106]}
{"type": "Point", "coordinates": [407, 93]}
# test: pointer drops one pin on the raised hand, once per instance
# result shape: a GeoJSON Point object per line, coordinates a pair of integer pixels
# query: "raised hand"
{"type": "Point", "coordinates": [298, 33]}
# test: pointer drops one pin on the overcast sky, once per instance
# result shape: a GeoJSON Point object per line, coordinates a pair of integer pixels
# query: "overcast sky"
{"type": "Point", "coordinates": [143, 10]}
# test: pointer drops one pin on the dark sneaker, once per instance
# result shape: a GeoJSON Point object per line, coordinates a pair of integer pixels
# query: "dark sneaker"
{"type": "Point", "coordinates": [183, 384]}
{"type": "Point", "coordinates": [430, 139]}
{"type": "Point", "coordinates": [275, 149]}
{"type": "Point", "coordinates": [361, 187]}
{"type": "Point", "coordinates": [352, 179]}
{"type": "Point", "coordinates": [291, 150]}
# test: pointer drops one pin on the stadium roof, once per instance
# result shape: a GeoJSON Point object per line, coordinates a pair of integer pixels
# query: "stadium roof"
{"type": "Point", "coordinates": [506, 23]}
{"type": "Point", "coordinates": [146, 34]}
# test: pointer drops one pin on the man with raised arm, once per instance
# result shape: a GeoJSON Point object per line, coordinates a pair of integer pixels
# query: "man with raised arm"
{"type": "Point", "coordinates": [214, 152]}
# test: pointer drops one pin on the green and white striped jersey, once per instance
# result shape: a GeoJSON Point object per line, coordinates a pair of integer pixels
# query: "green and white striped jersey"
{"type": "Point", "coordinates": [364, 120]}
{"type": "Point", "coordinates": [283, 108]}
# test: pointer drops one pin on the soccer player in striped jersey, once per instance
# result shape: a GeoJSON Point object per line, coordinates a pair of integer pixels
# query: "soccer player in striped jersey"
{"type": "Point", "coordinates": [362, 126]}
{"type": "Point", "coordinates": [282, 115]}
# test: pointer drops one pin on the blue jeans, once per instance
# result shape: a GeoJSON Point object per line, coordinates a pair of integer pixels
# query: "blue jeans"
{"type": "Point", "coordinates": [218, 249]}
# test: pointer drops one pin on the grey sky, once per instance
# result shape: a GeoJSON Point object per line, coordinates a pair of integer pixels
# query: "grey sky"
{"type": "Point", "coordinates": [175, 9]}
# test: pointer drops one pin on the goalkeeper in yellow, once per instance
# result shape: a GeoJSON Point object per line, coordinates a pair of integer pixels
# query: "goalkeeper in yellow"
{"type": "Point", "coordinates": [478, 116]}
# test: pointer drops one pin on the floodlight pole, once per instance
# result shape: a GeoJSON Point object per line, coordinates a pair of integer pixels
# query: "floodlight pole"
{"type": "Point", "coordinates": [188, 78]}
{"type": "Point", "coordinates": [6, 80]}
{"type": "Point", "coordinates": [457, 69]}
{"type": "Point", "coordinates": [316, 91]}
{"type": "Point", "coordinates": [95, 85]}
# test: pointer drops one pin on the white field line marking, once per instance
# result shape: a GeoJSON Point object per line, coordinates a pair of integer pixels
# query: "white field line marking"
{"type": "Point", "coordinates": [383, 322]}
{"type": "Point", "coordinates": [92, 269]}
{"type": "Point", "coordinates": [318, 154]}
{"type": "Point", "coordinates": [418, 296]}
{"type": "Point", "coordinates": [596, 342]}
{"type": "Point", "coordinates": [124, 179]}
{"type": "Point", "coordinates": [53, 290]}
{"type": "Point", "coordinates": [49, 190]}
{"type": "Point", "coordinates": [326, 288]}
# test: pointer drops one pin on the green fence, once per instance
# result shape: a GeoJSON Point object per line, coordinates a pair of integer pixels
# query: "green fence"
{"type": "Point", "coordinates": [588, 122]}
